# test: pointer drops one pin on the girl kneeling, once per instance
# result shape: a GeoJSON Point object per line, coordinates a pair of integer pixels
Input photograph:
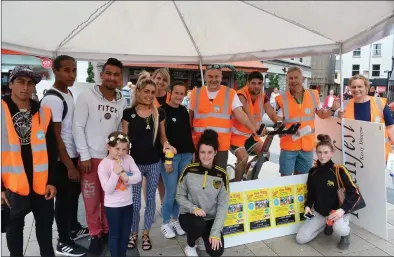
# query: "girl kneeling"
{"type": "Point", "coordinates": [117, 173]}
{"type": "Point", "coordinates": [322, 198]}
{"type": "Point", "coordinates": [203, 195]}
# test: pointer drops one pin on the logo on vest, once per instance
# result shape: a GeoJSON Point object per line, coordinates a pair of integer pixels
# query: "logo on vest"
{"type": "Point", "coordinates": [256, 115]}
{"type": "Point", "coordinates": [307, 111]}
{"type": "Point", "coordinates": [216, 108]}
{"type": "Point", "coordinates": [40, 135]}
{"type": "Point", "coordinates": [377, 119]}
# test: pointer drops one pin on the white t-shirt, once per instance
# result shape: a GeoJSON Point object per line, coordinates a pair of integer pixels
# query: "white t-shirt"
{"type": "Point", "coordinates": [56, 106]}
{"type": "Point", "coordinates": [212, 95]}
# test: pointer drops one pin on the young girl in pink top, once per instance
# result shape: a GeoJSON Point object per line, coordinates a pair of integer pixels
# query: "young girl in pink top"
{"type": "Point", "coordinates": [117, 172]}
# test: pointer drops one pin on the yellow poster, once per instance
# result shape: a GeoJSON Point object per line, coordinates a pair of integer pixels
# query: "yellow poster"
{"type": "Point", "coordinates": [235, 220]}
{"type": "Point", "coordinates": [283, 208]}
{"type": "Point", "coordinates": [301, 191]}
{"type": "Point", "coordinates": [259, 214]}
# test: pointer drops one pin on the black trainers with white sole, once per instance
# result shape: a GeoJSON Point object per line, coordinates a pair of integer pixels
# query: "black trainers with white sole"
{"type": "Point", "coordinates": [79, 233]}
{"type": "Point", "coordinates": [70, 249]}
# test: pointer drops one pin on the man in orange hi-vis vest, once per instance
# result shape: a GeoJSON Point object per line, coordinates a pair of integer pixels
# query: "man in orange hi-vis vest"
{"type": "Point", "coordinates": [298, 105]}
{"type": "Point", "coordinates": [211, 107]}
{"type": "Point", "coordinates": [255, 104]}
{"type": "Point", "coordinates": [29, 160]}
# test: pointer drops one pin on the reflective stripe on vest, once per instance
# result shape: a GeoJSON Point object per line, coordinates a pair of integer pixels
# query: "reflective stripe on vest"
{"type": "Point", "coordinates": [237, 132]}
{"type": "Point", "coordinates": [222, 115]}
{"type": "Point", "coordinates": [286, 111]}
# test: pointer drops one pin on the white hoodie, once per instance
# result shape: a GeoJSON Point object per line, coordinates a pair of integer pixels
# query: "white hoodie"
{"type": "Point", "coordinates": [94, 119]}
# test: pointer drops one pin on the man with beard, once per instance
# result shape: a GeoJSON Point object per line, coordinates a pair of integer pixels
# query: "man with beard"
{"type": "Point", "coordinates": [298, 105]}
{"type": "Point", "coordinates": [211, 107]}
{"type": "Point", "coordinates": [98, 112]}
{"type": "Point", "coordinates": [28, 163]}
{"type": "Point", "coordinates": [255, 104]}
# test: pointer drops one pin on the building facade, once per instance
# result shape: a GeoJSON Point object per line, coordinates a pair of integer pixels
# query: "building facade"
{"type": "Point", "coordinates": [374, 61]}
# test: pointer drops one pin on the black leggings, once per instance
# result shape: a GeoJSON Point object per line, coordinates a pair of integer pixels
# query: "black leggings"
{"type": "Point", "coordinates": [196, 227]}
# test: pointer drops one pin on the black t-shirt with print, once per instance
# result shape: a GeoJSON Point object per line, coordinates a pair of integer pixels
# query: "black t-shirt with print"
{"type": "Point", "coordinates": [143, 150]}
{"type": "Point", "coordinates": [178, 129]}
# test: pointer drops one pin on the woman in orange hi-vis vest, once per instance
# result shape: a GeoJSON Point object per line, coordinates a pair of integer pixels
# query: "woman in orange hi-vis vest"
{"type": "Point", "coordinates": [367, 108]}
{"type": "Point", "coordinates": [255, 105]}
{"type": "Point", "coordinates": [29, 161]}
{"type": "Point", "coordinates": [298, 105]}
{"type": "Point", "coordinates": [212, 106]}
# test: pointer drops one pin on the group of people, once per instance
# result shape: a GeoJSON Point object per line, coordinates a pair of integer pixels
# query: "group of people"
{"type": "Point", "coordinates": [117, 154]}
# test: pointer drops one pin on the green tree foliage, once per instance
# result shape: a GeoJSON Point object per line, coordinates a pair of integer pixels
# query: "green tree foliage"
{"type": "Point", "coordinates": [90, 78]}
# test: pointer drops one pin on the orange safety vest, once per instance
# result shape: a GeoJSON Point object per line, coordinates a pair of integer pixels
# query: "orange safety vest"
{"type": "Point", "coordinates": [299, 113]}
{"type": "Point", "coordinates": [215, 115]}
{"type": "Point", "coordinates": [240, 133]}
{"type": "Point", "coordinates": [377, 105]}
{"type": "Point", "coordinates": [167, 100]}
{"type": "Point", "coordinates": [12, 169]}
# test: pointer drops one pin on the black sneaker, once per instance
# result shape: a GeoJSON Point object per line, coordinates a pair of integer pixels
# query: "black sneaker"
{"type": "Point", "coordinates": [95, 245]}
{"type": "Point", "coordinates": [79, 233]}
{"type": "Point", "coordinates": [104, 238]}
{"type": "Point", "coordinates": [344, 243]}
{"type": "Point", "coordinates": [328, 230]}
{"type": "Point", "coordinates": [70, 249]}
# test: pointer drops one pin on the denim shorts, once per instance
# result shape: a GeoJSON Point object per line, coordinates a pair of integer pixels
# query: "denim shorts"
{"type": "Point", "coordinates": [291, 161]}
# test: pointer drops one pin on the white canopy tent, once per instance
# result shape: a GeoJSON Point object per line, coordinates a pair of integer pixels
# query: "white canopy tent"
{"type": "Point", "coordinates": [192, 31]}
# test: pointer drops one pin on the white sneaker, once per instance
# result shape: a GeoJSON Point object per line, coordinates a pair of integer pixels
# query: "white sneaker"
{"type": "Point", "coordinates": [200, 244]}
{"type": "Point", "coordinates": [177, 227]}
{"type": "Point", "coordinates": [167, 231]}
{"type": "Point", "coordinates": [190, 251]}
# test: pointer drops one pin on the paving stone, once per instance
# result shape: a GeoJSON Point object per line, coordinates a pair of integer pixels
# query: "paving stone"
{"type": "Point", "coordinates": [287, 246]}
{"type": "Point", "coordinates": [388, 249]}
{"type": "Point", "coordinates": [240, 250]}
{"type": "Point", "coordinates": [368, 236]}
{"type": "Point", "coordinates": [370, 252]}
{"type": "Point", "coordinates": [327, 245]}
{"type": "Point", "coordinates": [263, 250]}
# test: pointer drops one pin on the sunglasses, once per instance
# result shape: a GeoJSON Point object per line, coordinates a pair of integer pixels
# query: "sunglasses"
{"type": "Point", "coordinates": [214, 66]}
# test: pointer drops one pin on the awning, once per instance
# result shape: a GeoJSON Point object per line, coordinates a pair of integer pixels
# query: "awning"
{"type": "Point", "coordinates": [188, 32]}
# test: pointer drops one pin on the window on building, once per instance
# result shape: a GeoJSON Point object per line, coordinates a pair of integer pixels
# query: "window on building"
{"type": "Point", "coordinates": [292, 59]}
{"type": "Point", "coordinates": [376, 70]}
{"type": "Point", "coordinates": [357, 52]}
{"type": "Point", "coordinates": [377, 49]}
{"type": "Point", "coordinates": [355, 69]}
{"type": "Point", "coordinates": [300, 59]}
{"type": "Point", "coordinates": [336, 75]}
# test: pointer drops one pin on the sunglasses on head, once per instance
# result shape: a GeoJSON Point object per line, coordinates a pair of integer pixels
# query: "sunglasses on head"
{"type": "Point", "coordinates": [214, 66]}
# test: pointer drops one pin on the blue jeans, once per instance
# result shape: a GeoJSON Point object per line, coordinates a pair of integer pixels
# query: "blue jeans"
{"type": "Point", "coordinates": [290, 161]}
{"type": "Point", "coordinates": [119, 222]}
{"type": "Point", "coordinates": [170, 207]}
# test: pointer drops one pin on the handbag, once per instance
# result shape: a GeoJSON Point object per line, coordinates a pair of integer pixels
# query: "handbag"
{"type": "Point", "coordinates": [341, 193]}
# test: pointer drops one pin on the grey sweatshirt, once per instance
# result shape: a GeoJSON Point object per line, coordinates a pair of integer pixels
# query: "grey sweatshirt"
{"type": "Point", "coordinates": [200, 188]}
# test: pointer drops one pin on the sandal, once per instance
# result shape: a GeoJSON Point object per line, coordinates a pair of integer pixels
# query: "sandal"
{"type": "Point", "coordinates": [132, 241]}
{"type": "Point", "coordinates": [146, 243]}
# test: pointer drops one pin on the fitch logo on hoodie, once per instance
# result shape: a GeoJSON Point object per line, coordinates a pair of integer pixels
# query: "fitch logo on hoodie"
{"type": "Point", "coordinates": [108, 109]}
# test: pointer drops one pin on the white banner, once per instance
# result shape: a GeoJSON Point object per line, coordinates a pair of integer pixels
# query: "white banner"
{"type": "Point", "coordinates": [364, 158]}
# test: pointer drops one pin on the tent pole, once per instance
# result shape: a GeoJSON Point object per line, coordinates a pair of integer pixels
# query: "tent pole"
{"type": "Point", "coordinates": [342, 99]}
{"type": "Point", "coordinates": [202, 73]}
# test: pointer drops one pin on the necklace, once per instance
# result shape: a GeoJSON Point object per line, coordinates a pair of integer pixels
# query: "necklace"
{"type": "Point", "coordinates": [147, 120]}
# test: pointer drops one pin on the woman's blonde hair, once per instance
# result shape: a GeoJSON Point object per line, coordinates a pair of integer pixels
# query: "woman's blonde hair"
{"type": "Point", "coordinates": [364, 79]}
{"type": "Point", "coordinates": [144, 79]}
{"type": "Point", "coordinates": [164, 72]}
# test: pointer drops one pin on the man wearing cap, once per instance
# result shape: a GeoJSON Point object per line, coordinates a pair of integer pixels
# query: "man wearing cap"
{"type": "Point", "coordinates": [29, 156]}
{"type": "Point", "coordinates": [211, 107]}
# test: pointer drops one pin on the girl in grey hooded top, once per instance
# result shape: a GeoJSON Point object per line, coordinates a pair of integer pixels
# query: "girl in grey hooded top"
{"type": "Point", "coordinates": [203, 195]}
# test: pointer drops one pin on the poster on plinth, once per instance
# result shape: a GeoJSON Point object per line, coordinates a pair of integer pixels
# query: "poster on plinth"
{"type": "Point", "coordinates": [363, 155]}
{"type": "Point", "coordinates": [259, 209]}
{"type": "Point", "coordinates": [301, 191]}
{"type": "Point", "coordinates": [235, 220]}
{"type": "Point", "coordinates": [283, 207]}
